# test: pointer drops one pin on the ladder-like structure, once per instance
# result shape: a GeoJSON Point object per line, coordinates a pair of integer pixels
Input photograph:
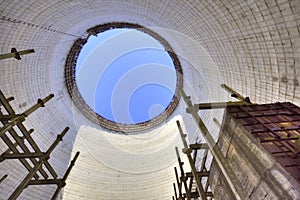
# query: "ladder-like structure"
{"type": "Point", "coordinates": [195, 183]}
{"type": "Point", "coordinates": [209, 146]}
{"type": "Point", "coordinates": [275, 126]}
{"type": "Point", "coordinates": [22, 147]}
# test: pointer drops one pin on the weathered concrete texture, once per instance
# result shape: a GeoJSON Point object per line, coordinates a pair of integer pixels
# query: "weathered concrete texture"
{"type": "Point", "coordinates": [219, 186]}
{"type": "Point", "coordinates": [252, 46]}
{"type": "Point", "coordinates": [259, 174]}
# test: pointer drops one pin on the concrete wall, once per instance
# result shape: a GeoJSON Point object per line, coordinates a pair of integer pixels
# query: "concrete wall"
{"type": "Point", "coordinates": [253, 44]}
{"type": "Point", "coordinates": [259, 174]}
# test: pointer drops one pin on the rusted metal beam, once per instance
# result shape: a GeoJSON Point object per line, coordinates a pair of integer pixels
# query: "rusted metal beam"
{"type": "Point", "coordinates": [40, 103]}
{"type": "Point", "coordinates": [20, 155]}
{"type": "Point", "coordinates": [41, 161]}
{"type": "Point", "coordinates": [36, 148]}
{"type": "Point", "coordinates": [216, 152]}
{"type": "Point", "coordinates": [7, 99]}
{"type": "Point", "coordinates": [26, 133]}
{"type": "Point", "coordinates": [179, 185]}
{"type": "Point", "coordinates": [204, 160]}
{"type": "Point", "coordinates": [175, 192]}
{"type": "Point", "coordinates": [199, 146]}
{"type": "Point", "coordinates": [63, 183]}
{"type": "Point", "coordinates": [45, 182]}
{"type": "Point", "coordinates": [16, 143]}
{"type": "Point", "coordinates": [20, 118]}
{"type": "Point", "coordinates": [20, 142]}
{"type": "Point", "coordinates": [192, 178]}
{"type": "Point", "coordinates": [11, 124]}
{"type": "Point", "coordinates": [182, 177]}
{"type": "Point", "coordinates": [199, 174]}
{"type": "Point", "coordinates": [188, 152]}
{"type": "Point", "coordinates": [16, 54]}
{"type": "Point", "coordinates": [24, 183]}
{"type": "Point", "coordinates": [235, 94]}
{"type": "Point", "coordinates": [216, 105]}
{"type": "Point", "coordinates": [6, 117]}
{"type": "Point", "coordinates": [13, 148]}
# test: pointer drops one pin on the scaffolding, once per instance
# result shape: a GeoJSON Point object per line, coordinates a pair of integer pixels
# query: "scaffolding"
{"type": "Point", "coordinates": [275, 126]}
{"type": "Point", "coordinates": [195, 183]}
{"type": "Point", "coordinates": [16, 54]}
{"type": "Point", "coordinates": [19, 141]}
{"type": "Point", "coordinates": [213, 149]}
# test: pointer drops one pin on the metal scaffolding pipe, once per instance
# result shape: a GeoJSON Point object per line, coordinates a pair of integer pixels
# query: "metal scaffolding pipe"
{"type": "Point", "coordinates": [233, 92]}
{"type": "Point", "coordinates": [204, 160]}
{"type": "Point", "coordinates": [16, 54]}
{"type": "Point", "coordinates": [58, 139]}
{"type": "Point", "coordinates": [71, 166]}
{"type": "Point", "coordinates": [24, 183]}
{"type": "Point", "coordinates": [199, 146]}
{"type": "Point", "coordinates": [21, 155]}
{"type": "Point", "coordinates": [59, 182]}
{"type": "Point", "coordinates": [20, 142]}
{"type": "Point", "coordinates": [216, 152]}
{"type": "Point", "coordinates": [217, 105]}
{"type": "Point", "coordinates": [16, 143]}
{"type": "Point", "coordinates": [37, 166]}
{"type": "Point", "coordinates": [14, 149]}
{"type": "Point", "coordinates": [35, 147]}
{"type": "Point", "coordinates": [21, 118]}
{"type": "Point", "coordinates": [40, 103]}
{"type": "Point", "coordinates": [190, 174]}
{"type": "Point", "coordinates": [6, 117]}
{"type": "Point", "coordinates": [191, 179]}
{"type": "Point", "coordinates": [11, 124]}
{"type": "Point", "coordinates": [188, 152]}
{"type": "Point", "coordinates": [7, 99]}
{"type": "Point", "coordinates": [182, 178]}
{"type": "Point", "coordinates": [174, 187]}
{"type": "Point", "coordinates": [7, 106]}
{"type": "Point", "coordinates": [63, 183]}
{"type": "Point", "coordinates": [45, 182]}
{"type": "Point", "coordinates": [178, 183]}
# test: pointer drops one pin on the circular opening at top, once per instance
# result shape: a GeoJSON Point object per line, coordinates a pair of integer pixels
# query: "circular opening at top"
{"type": "Point", "coordinates": [123, 77]}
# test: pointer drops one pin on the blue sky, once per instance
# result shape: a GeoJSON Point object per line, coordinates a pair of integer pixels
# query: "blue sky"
{"type": "Point", "coordinates": [125, 76]}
